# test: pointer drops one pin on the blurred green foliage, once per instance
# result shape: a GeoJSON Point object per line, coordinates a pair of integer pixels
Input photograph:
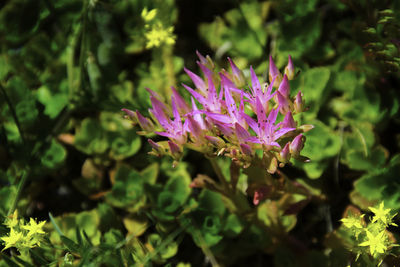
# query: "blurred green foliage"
{"type": "Point", "coordinates": [67, 67]}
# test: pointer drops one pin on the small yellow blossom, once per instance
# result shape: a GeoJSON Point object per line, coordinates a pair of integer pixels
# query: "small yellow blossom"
{"type": "Point", "coordinates": [12, 220]}
{"type": "Point", "coordinates": [158, 35]}
{"type": "Point", "coordinates": [34, 228]}
{"type": "Point", "coordinates": [12, 239]}
{"type": "Point", "coordinates": [148, 15]}
{"type": "Point", "coordinates": [376, 243]}
{"type": "Point", "coordinates": [22, 235]}
{"type": "Point", "coordinates": [382, 215]}
{"type": "Point", "coordinates": [351, 222]}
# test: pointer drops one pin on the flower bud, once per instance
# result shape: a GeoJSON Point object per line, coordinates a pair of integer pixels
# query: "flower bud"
{"type": "Point", "coordinates": [289, 69]}
{"type": "Point", "coordinates": [238, 77]}
{"type": "Point", "coordinates": [298, 102]}
{"type": "Point", "coordinates": [288, 121]}
{"type": "Point", "coordinates": [144, 123]}
{"type": "Point", "coordinates": [306, 127]}
{"type": "Point", "coordinates": [176, 151]}
{"type": "Point", "coordinates": [297, 145]}
{"type": "Point", "coordinates": [215, 141]}
{"type": "Point", "coordinates": [246, 149]}
{"type": "Point", "coordinates": [284, 155]}
{"type": "Point", "coordinates": [157, 149]}
{"type": "Point", "coordinates": [284, 88]}
{"type": "Point", "coordinates": [130, 115]}
{"type": "Point", "coordinates": [274, 72]}
{"type": "Point", "coordinates": [283, 103]}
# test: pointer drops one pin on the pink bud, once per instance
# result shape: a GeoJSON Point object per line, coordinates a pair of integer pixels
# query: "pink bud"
{"type": "Point", "coordinates": [130, 115]}
{"type": "Point", "coordinates": [283, 103]}
{"type": "Point", "coordinates": [284, 88]}
{"type": "Point", "coordinates": [288, 121]}
{"type": "Point", "coordinates": [128, 112]}
{"type": "Point", "coordinates": [215, 141]}
{"type": "Point", "coordinates": [289, 69]}
{"type": "Point", "coordinates": [144, 123]}
{"type": "Point", "coordinates": [274, 72]}
{"type": "Point", "coordinates": [297, 145]}
{"type": "Point", "coordinates": [284, 155]}
{"type": "Point", "coordinates": [298, 103]}
{"type": "Point", "coordinates": [175, 150]}
{"type": "Point", "coordinates": [156, 147]}
{"type": "Point", "coordinates": [238, 76]}
{"type": "Point", "coordinates": [246, 149]}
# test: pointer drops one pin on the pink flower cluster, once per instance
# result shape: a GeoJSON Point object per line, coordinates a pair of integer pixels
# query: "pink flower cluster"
{"type": "Point", "coordinates": [226, 116]}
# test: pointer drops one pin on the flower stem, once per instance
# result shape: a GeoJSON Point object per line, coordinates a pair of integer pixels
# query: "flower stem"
{"type": "Point", "coordinates": [167, 57]}
{"type": "Point", "coordinates": [219, 173]}
{"type": "Point", "coordinates": [19, 190]}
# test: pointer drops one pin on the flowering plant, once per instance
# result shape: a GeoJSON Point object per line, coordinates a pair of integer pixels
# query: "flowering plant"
{"type": "Point", "coordinates": [252, 124]}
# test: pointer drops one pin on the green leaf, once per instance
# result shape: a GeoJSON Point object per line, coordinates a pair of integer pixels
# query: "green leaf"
{"type": "Point", "coordinates": [54, 155]}
{"type": "Point", "coordinates": [127, 190]}
{"type": "Point", "coordinates": [53, 102]}
{"type": "Point", "coordinates": [358, 161]}
{"type": "Point", "coordinates": [313, 169]}
{"type": "Point", "coordinates": [90, 137]}
{"type": "Point", "coordinates": [71, 245]}
{"type": "Point", "coordinates": [321, 138]}
{"type": "Point", "coordinates": [233, 225]}
{"type": "Point", "coordinates": [150, 173]}
{"type": "Point", "coordinates": [379, 185]}
{"type": "Point", "coordinates": [211, 202]}
{"type": "Point", "coordinates": [314, 85]}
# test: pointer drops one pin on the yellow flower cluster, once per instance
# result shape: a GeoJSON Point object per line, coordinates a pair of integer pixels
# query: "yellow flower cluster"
{"type": "Point", "coordinates": [22, 235]}
{"type": "Point", "coordinates": [156, 34]}
{"type": "Point", "coordinates": [373, 236]}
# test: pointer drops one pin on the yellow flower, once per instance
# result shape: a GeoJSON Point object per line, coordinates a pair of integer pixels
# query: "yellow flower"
{"type": "Point", "coordinates": [376, 243]}
{"type": "Point", "coordinates": [351, 222]}
{"type": "Point", "coordinates": [159, 35]}
{"type": "Point", "coordinates": [12, 220]}
{"type": "Point", "coordinates": [382, 214]}
{"type": "Point", "coordinates": [148, 15]}
{"type": "Point", "coordinates": [13, 239]}
{"type": "Point", "coordinates": [33, 227]}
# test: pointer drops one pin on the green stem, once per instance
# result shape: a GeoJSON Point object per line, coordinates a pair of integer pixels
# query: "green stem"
{"type": "Point", "coordinates": [219, 174]}
{"type": "Point", "coordinates": [19, 190]}
{"type": "Point", "coordinates": [13, 113]}
{"type": "Point", "coordinates": [169, 69]}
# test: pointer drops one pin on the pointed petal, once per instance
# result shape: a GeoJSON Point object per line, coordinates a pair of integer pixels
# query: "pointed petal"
{"type": "Point", "coordinates": [252, 123]}
{"type": "Point", "coordinates": [218, 117]}
{"type": "Point", "coordinates": [181, 103]}
{"type": "Point", "coordinates": [253, 139]}
{"type": "Point", "coordinates": [282, 132]}
{"type": "Point", "coordinates": [255, 83]}
{"type": "Point", "coordinates": [198, 82]}
{"type": "Point", "coordinates": [196, 95]}
{"type": "Point", "coordinates": [230, 104]}
{"type": "Point", "coordinates": [194, 127]}
{"type": "Point", "coordinates": [226, 82]}
{"type": "Point", "coordinates": [241, 133]}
